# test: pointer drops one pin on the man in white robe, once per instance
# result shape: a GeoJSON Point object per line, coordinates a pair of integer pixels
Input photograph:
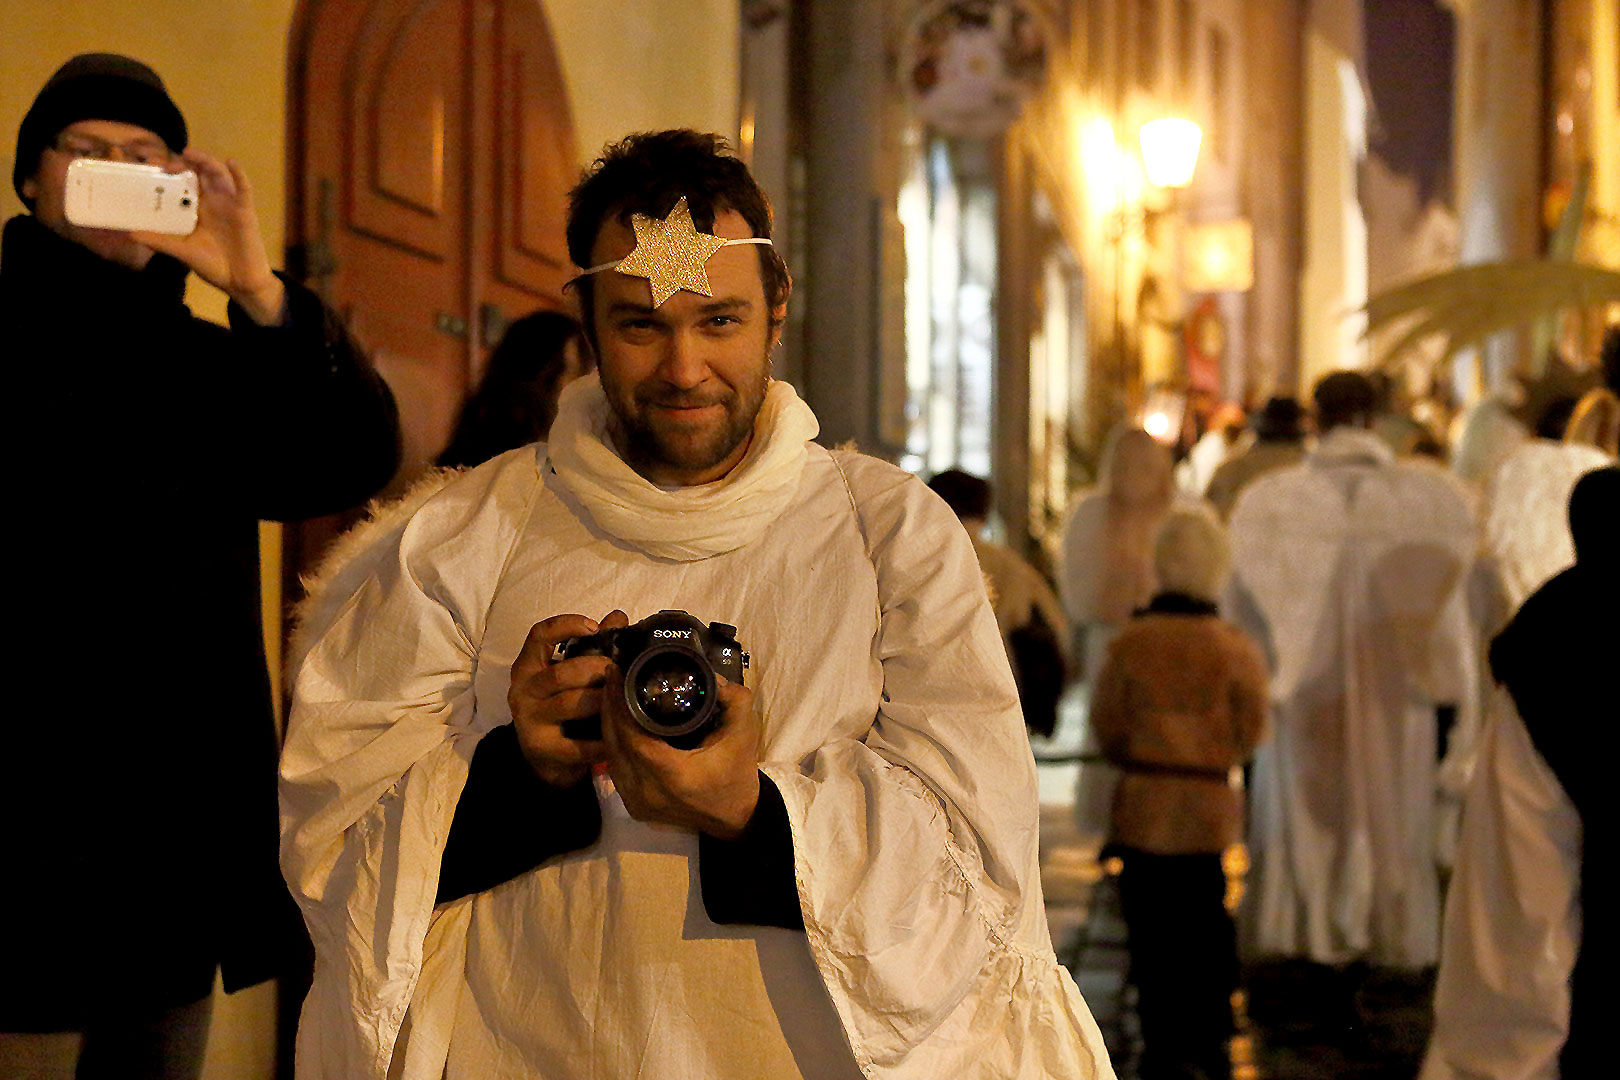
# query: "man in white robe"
{"type": "Point", "coordinates": [841, 881]}
{"type": "Point", "coordinates": [1354, 566]}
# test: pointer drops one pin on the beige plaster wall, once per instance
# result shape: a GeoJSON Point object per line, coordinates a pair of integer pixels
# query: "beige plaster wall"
{"type": "Point", "coordinates": [641, 65]}
{"type": "Point", "coordinates": [1333, 284]}
{"type": "Point", "coordinates": [1602, 233]}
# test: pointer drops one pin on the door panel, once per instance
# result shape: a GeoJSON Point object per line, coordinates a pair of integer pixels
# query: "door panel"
{"type": "Point", "coordinates": [391, 252]}
{"type": "Point", "coordinates": [430, 153]}
{"type": "Point", "coordinates": [534, 154]}
{"type": "Point", "coordinates": [406, 124]}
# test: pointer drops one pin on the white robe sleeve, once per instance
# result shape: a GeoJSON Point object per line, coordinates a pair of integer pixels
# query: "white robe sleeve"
{"type": "Point", "coordinates": [1512, 919]}
{"type": "Point", "coordinates": [378, 744]}
{"type": "Point", "coordinates": [916, 847]}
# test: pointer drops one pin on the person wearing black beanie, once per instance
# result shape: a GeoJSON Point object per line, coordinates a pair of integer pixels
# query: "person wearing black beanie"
{"type": "Point", "coordinates": [140, 806]}
{"type": "Point", "coordinates": [98, 104]}
{"type": "Point", "coordinates": [100, 86]}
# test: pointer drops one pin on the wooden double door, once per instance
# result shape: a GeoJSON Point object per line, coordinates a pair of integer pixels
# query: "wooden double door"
{"type": "Point", "coordinates": [431, 151]}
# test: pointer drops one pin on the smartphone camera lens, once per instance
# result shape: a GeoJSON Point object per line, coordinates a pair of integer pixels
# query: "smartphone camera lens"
{"type": "Point", "coordinates": [185, 202]}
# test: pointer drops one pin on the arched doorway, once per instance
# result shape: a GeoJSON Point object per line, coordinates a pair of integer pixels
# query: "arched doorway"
{"type": "Point", "coordinates": [430, 152]}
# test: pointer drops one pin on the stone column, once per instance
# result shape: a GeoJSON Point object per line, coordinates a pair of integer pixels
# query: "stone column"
{"type": "Point", "coordinates": [845, 90]}
{"type": "Point", "coordinates": [1499, 158]}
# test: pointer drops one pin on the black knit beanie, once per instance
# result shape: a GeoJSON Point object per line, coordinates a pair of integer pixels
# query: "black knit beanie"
{"type": "Point", "coordinates": [96, 86]}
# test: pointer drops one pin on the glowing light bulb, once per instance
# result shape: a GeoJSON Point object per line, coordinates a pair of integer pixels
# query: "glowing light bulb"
{"type": "Point", "coordinates": [1156, 424]}
{"type": "Point", "coordinates": [1170, 151]}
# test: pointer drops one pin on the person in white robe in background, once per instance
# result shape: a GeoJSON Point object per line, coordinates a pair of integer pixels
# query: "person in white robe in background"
{"type": "Point", "coordinates": [1350, 569]}
{"type": "Point", "coordinates": [1105, 574]}
{"type": "Point", "coordinates": [1526, 538]}
{"type": "Point", "coordinates": [841, 881]}
{"type": "Point", "coordinates": [1529, 945]}
{"type": "Point", "coordinates": [1512, 917]}
{"type": "Point", "coordinates": [1106, 569]}
{"type": "Point", "coordinates": [1482, 438]}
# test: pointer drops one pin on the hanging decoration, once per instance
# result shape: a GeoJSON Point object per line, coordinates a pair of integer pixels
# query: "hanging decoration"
{"type": "Point", "coordinates": [670, 253]}
{"type": "Point", "coordinates": [968, 66]}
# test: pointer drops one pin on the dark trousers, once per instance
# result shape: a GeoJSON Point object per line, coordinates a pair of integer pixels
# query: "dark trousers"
{"type": "Point", "coordinates": [1183, 948]}
{"type": "Point", "coordinates": [138, 1043]}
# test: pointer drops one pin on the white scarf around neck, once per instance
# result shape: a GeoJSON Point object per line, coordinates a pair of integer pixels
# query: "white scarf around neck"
{"type": "Point", "coordinates": [689, 523]}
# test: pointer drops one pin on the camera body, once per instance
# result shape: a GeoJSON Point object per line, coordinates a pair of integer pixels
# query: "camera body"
{"type": "Point", "coordinates": [669, 662]}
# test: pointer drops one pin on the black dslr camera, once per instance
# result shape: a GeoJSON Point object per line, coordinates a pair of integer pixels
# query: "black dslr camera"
{"type": "Point", "coordinates": [669, 661]}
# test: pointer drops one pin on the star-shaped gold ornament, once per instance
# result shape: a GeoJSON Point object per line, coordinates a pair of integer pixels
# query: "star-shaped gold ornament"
{"type": "Point", "coordinates": [670, 253]}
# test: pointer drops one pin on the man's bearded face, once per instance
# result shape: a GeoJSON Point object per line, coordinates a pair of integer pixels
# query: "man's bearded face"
{"type": "Point", "coordinates": [685, 379]}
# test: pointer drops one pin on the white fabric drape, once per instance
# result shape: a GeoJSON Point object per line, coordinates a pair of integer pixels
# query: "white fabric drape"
{"type": "Point", "coordinates": [690, 522]}
{"type": "Point", "coordinates": [1501, 1002]}
{"type": "Point", "coordinates": [891, 729]}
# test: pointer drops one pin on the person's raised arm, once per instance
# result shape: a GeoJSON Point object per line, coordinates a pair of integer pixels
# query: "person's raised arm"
{"type": "Point", "coordinates": [227, 248]}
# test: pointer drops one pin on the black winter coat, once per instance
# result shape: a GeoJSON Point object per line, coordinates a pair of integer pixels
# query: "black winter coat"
{"type": "Point", "coordinates": [139, 802]}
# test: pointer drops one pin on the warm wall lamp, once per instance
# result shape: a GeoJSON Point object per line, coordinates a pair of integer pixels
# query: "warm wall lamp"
{"type": "Point", "coordinates": [1170, 151]}
{"type": "Point", "coordinates": [1169, 156]}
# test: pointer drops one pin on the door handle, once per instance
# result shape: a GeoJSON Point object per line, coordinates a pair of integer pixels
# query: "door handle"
{"type": "Point", "coordinates": [492, 324]}
{"type": "Point", "coordinates": [450, 325]}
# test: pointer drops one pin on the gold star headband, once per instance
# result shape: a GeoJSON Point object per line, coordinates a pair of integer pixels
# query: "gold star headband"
{"type": "Point", "coordinates": [671, 254]}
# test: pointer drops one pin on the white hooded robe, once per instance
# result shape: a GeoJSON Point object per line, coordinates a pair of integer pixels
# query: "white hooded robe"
{"type": "Point", "coordinates": [891, 729]}
{"type": "Point", "coordinates": [1355, 567]}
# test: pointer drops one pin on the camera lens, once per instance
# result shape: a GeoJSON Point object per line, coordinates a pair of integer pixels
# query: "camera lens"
{"type": "Point", "coordinates": [671, 691]}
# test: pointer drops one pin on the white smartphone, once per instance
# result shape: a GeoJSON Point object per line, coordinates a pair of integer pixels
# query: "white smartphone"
{"type": "Point", "coordinates": [123, 195]}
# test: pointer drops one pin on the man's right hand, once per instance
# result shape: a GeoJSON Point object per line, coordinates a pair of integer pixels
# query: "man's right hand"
{"type": "Point", "coordinates": [546, 693]}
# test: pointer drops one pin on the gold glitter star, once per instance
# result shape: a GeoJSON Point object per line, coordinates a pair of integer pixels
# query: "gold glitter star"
{"type": "Point", "coordinates": [670, 254]}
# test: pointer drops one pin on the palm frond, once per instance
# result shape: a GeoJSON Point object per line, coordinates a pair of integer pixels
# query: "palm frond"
{"type": "Point", "coordinates": [1472, 303]}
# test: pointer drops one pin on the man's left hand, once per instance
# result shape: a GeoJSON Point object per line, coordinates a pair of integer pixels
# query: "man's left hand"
{"type": "Point", "coordinates": [226, 249]}
{"type": "Point", "coordinates": [711, 789]}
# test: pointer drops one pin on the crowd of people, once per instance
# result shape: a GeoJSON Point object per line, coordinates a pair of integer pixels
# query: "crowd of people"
{"type": "Point", "coordinates": [512, 862]}
{"type": "Point", "coordinates": [1369, 582]}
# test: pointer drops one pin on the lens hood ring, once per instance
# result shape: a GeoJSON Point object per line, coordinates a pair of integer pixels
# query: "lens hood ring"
{"type": "Point", "coordinates": [692, 663]}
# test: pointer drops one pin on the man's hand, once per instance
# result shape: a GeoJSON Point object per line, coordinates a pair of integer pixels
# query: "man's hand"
{"type": "Point", "coordinates": [711, 789]}
{"type": "Point", "coordinates": [227, 248]}
{"type": "Point", "coordinates": [546, 693]}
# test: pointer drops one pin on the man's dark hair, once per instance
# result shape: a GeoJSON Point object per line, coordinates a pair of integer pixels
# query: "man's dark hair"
{"type": "Point", "coordinates": [516, 400]}
{"type": "Point", "coordinates": [1555, 416]}
{"type": "Point", "coordinates": [966, 494]}
{"type": "Point", "coordinates": [647, 173]}
{"type": "Point", "coordinates": [1281, 419]}
{"type": "Point", "coordinates": [1344, 397]}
